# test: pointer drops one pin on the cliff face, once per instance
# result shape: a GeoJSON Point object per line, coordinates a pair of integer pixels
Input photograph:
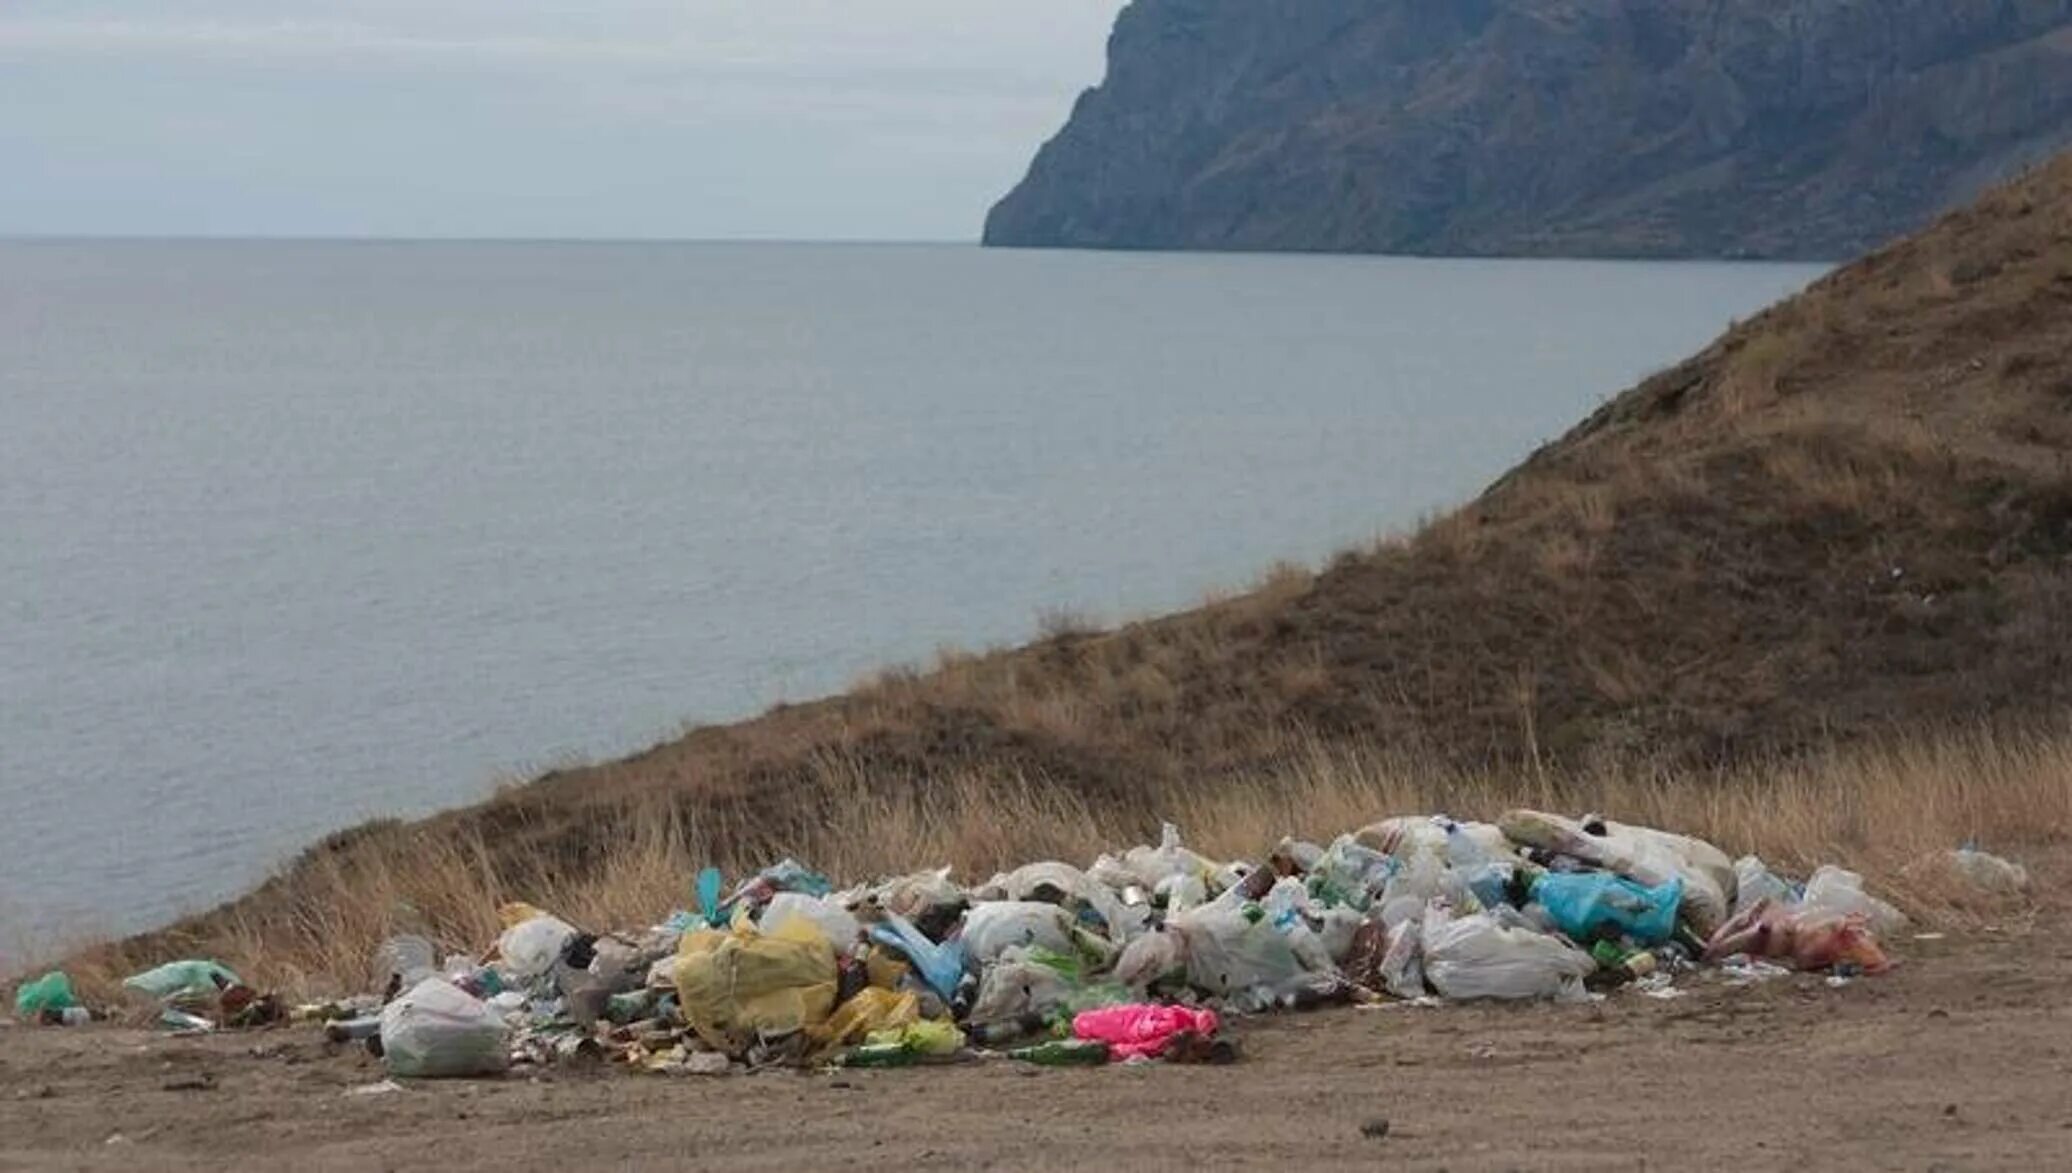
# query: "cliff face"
{"type": "Point", "coordinates": [1760, 128]}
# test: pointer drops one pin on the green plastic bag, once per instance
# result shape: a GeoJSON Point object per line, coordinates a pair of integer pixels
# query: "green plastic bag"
{"type": "Point", "coordinates": [52, 991]}
{"type": "Point", "coordinates": [182, 979]}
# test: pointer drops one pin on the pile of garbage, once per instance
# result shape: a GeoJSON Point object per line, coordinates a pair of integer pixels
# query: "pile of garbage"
{"type": "Point", "coordinates": [1137, 957]}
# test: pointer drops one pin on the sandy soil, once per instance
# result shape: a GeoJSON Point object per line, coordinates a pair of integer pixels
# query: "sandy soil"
{"type": "Point", "coordinates": [1961, 1059]}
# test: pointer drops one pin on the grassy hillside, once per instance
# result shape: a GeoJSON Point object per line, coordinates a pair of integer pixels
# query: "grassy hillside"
{"type": "Point", "coordinates": [1848, 519]}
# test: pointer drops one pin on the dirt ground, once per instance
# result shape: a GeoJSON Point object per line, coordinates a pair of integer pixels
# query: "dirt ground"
{"type": "Point", "coordinates": [1960, 1059]}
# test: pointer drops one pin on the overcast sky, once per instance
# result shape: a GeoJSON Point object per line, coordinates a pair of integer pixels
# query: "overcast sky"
{"type": "Point", "coordinates": [796, 119]}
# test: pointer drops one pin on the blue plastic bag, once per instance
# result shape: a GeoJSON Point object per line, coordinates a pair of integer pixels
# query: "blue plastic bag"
{"type": "Point", "coordinates": [941, 966]}
{"type": "Point", "coordinates": [1587, 906]}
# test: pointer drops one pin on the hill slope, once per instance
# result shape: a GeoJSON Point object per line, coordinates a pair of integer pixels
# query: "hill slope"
{"type": "Point", "coordinates": [1850, 515]}
{"type": "Point", "coordinates": [1779, 128]}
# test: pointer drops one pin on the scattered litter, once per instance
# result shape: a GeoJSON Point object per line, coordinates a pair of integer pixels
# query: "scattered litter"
{"type": "Point", "coordinates": [1144, 956]}
{"type": "Point", "coordinates": [385, 1087]}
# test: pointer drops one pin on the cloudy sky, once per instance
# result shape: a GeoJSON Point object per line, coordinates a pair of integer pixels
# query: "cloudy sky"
{"type": "Point", "coordinates": [791, 119]}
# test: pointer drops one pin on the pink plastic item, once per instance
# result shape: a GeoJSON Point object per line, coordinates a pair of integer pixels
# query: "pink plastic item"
{"type": "Point", "coordinates": [1142, 1031]}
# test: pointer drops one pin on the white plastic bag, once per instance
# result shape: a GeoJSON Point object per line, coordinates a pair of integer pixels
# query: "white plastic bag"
{"type": "Point", "coordinates": [1015, 987]}
{"type": "Point", "coordinates": [824, 913]}
{"type": "Point", "coordinates": [1490, 955]}
{"type": "Point", "coordinates": [1754, 881]}
{"type": "Point", "coordinates": [1230, 955]}
{"type": "Point", "coordinates": [1833, 889]}
{"type": "Point", "coordinates": [1402, 967]}
{"type": "Point", "coordinates": [438, 1031]}
{"type": "Point", "coordinates": [532, 946]}
{"type": "Point", "coordinates": [1989, 873]}
{"type": "Point", "coordinates": [992, 929]}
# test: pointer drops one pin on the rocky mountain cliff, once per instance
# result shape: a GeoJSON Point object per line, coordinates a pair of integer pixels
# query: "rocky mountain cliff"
{"type": "Point", "coordinates": [1665, 128]}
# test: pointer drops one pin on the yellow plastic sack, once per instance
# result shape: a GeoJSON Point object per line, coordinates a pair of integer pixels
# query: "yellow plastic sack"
{"type": "Point", "coordinates": [928, 1036]}
{"type": "Point", "coordinates": [869, 1011]}
{"type": "Point", "coordinates": [732, 986]}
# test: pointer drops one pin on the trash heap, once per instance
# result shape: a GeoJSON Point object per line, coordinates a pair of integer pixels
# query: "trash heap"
{"type": "Point", "coordinates": [1138, 957]}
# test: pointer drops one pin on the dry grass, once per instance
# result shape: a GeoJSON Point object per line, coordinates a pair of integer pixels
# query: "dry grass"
{"type": "Point", "coordinates": [1878, 809]}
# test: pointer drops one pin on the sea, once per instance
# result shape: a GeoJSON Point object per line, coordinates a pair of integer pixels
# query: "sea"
{"type": "Point", "coordinates": [298, 534]}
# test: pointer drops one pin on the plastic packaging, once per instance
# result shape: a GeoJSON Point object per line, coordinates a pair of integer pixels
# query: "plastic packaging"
{"type": "Point", "coordinates": [732, 987]}
{"type": "Point", "coordinates": [1239, 953]}
{"type": "Point", "coordinates": [1647, 859]}
{"type": "Point", "coordinates": [1496, 955]}
{"type": "Point", "coordinates": [183, 981]}
{"type": "Point", "coordinates": [1142, 1031]}
{"type": "Point", "coordinates": [437, 1031]}
{"type": "Point", "coordinates": [1838, 892]}
{"type": "Point", "coordinates": [1402, 966]}
{"type": "Point", "coordinates": [1350, 873]}
{"type": "Point", "coordinates": [405, 961]}
{"type": "Point", "coordinates": [869, 1010]}
{"type": "Point", "coordinates": [991, 929]}
{"type": "Point", "coordinates": [532, 942]}
{"type": "Point", "coordinates": [1590, 905]}
{"type": "Point", "coordinates": [1755, 882]}
{"type": "Point", "coordinates": [51, 992]}
{"type": "Point", "coordinates": [941, 966]}
{"type": "Point", "coordinates": [824, 913]}
{"type": "Point", "coordinates": [1989, 873]}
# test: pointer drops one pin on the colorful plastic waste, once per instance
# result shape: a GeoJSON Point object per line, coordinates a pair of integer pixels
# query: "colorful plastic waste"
{"type": "Point", "coordinates": [177, 981]}
{"type": "Point", "coordinates": [1587, 906]}
{"type": "Point", "coordinates": [733, 986]}
{"type": "Point", "coordinates": [1142, 1031]}
{"type": "Point", "coordinates": [1136, 957]}
{"type": "Point", "coordinates": [49, 994]}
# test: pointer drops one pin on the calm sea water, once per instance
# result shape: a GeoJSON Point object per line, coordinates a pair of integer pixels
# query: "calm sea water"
{"type": "Point", "coordinates": [300, 534]}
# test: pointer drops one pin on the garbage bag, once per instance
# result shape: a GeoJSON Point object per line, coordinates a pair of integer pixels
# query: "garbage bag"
{"type": "Point", "coordinates": [824, 913]}
{"type": "Point", "coordinates": [1156, 956]}
{"type": "Point", "coordinates": [1693, 853]}
{"type": "Point", "coordinates": [1017, 987]}
{"type": "Point", "coordinates": [940, 965]}
{"type": "Point", "coordinates": [1989, 873]}
{"type": "Point", "coordinates": [1496, 955]}
{"type": "Point", "coordinates": [52, 991]}
{"type": "Point", "coordinates": [1754, 882]}
{"type": "Point", "coordinates": [1588, 906]}
{"type": "Point", "coordinates": [1840, 892]}
{"type": "Point", "coordinates": [989, 929]}
{"type": "Point", "coordinates": [926, 1036]}
{"type": "Point", "coordinates": [1170, 862]}
{"type": "Point", "coordinates": [733, 986]}
{"type": "Point", "coordinates": [869, 1010]}
{"type": "Point", "coordinates": [1239, 953]}
{"type": "Point", "coordinates": [436, 1030]}
{"type": "Point", "coordinates": [1641, 858]}
{"type": "Point", "coordinates": [404, 961]}
{"type": "Point", "coordinates": [1402, 965]}
{"type": "Point", "coordinates": [183, 980]}
{"type": "Point", "coordinates": [1142, 1031]}
{"type": "Point", "coordinates": [927, 899]}
{"type": "Point", "coordinates": [532, 942]}
{"type": "Point", "coordinates": [1052, 882]}
{"type": "Point", "coordinates": [1408, 837]}
{"type": "Point", "coordinates": [1350, 873]}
